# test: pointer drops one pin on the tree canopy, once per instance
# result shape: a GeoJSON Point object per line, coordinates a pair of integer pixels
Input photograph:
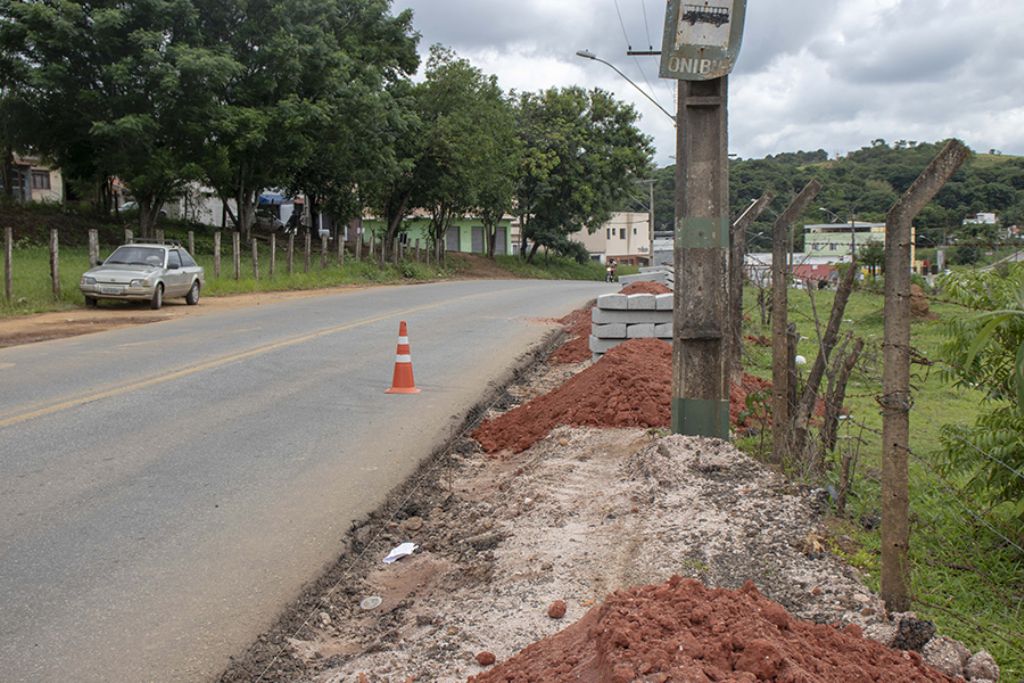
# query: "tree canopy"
{"type": "Point", "coordinates": [582, 156]}
{"type": "Point", "coordinates": [311, 97]}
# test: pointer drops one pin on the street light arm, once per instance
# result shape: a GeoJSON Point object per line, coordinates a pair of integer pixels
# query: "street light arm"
{"type": "Point", "coordinates": [587, 54]}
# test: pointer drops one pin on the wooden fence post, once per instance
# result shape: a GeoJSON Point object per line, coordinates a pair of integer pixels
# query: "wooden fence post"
{"type": "Point", "coordinates": [323, 251]}
{"type": "Point", "coordinates": [94, 247]}
{"type": "Point", "coordinates": [737, 253]}
{"type": "Point", "coordinates": [8, 264]}
{"type": "Point", "coordinates": [216, 253]}
{"type": "Point", "coordinates": [273, 255]}
{"type": "Point", "coordinates": [55, 263]}
{"type": "Point", "coordinates": [780, 320]}
{"type": "Point", "coordinates": [192, 242]}
{"type": "Point", "coordinates": [358, 254]}
{"type": "Point", "coordinates": [291, 253]}
{"type": "Point", "coordinates": [159, 236]}
{"type": "Point", "coordinates": [129, 237]}
{"type": "Point", "coordinates": [896, 400]}
{"type": "Point", "coordinates": [255, 259]}
{"type": "Point", "coordinates": [341, 247]}
{"type": "Point", "coordinates": [236, 253]}
{"type": "Point", "coordinates": [307, 255]}
{"type": "Point", "coordinates": [371, 252]}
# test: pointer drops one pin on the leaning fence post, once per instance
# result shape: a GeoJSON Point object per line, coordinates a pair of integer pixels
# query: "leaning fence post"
{"type": "Point", "coordinates": [55, 262]}
{"type": "Point", "coordinates": [8, 264]}
{"type": "Point", "coordinates": [191, 242]}
{"type": "Point", "coordinates": [273, 256]}
{"type": "Point", "coordinates": [236, 253]}
{"type": "Point", "coordinates": [896, 400]}
{"type": "Point", "coordinates": [216, 253]}
{"type": "Point", "coordinates": [780, 320]}
{"type": "Point", "coordinates": [738, 248]}
{"type": "Point", "coordinates": [255, 260]}
{"type": "Point", "coordinates": [94, 247]}
{"type": "Point", "coordinates": [291, 253]}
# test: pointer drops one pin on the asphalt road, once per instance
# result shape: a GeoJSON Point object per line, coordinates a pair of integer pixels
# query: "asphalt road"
{"type": "Point", "coordinates": [166, 490]}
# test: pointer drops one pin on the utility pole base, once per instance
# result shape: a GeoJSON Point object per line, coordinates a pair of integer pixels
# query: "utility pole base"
{"type": "Point", "coordinates": [698, 417]}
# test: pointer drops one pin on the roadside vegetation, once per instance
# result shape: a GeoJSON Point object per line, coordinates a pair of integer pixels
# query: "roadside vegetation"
{"type": "Point", "coordinates": [32, 284]}
{"type": "Point", "coordinates": [317, 102]}
{"type": "Point", "coordinates": [967, 576]}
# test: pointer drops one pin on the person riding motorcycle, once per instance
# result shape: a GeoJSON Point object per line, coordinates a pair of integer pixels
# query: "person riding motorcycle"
{"type": "Point", "coordinates": [610, 271]}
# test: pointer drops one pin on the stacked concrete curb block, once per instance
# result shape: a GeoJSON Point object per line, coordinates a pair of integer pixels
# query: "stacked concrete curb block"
{"type": "Point", "coordinates": [661, 274]}
{"type": "Point", "coordinates": [618, 317]}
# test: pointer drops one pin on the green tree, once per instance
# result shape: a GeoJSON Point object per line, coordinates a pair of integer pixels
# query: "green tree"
{"type": "Point", "coordinates": [872, 255]}
{"type": "Point", "coordinates": [582, 155]}
{"type": "Point", "coordinates": [296, 60]}
{"type": "Point", "coordinates": [457, 154]}
{"type": "Point", "coordinates": [359, 120]}
{"type": "Point", "coordinates": [117, 89]}
{"type": "Point", "coordinates": [56, 70]}
{"type": "Point", "coordinates": [161, 92]}
{"type": "Point", "coordinates": [986, 351]}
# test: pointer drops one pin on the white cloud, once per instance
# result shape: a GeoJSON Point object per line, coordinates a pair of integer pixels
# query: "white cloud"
{"type": "Point", "coordinates": [812, 74]}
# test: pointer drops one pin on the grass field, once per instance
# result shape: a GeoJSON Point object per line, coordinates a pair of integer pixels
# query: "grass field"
{"type": "Point", "coordinates": [966, 578]}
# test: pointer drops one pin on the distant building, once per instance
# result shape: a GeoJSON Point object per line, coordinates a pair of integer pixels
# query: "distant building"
{"type": "Point", "coordinates": [36, 181]}
{"type": "Point", "coordinates": [836, 241]}
{"type": "Point", "coordinates": [626, 237]}
{"type": "Point", "coordinates": [465, 235]}
{"type": "Point", "coordinates": [981, 219]}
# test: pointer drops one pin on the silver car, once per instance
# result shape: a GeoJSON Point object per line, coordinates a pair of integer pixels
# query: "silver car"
{"type": "Point", "coordinates": [144, 272]}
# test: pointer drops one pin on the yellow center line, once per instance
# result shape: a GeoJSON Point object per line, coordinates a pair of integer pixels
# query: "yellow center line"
{"type": "Point", "coordinates": [211, 365]}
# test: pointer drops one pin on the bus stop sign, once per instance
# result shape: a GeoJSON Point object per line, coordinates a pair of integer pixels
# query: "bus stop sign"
{"type": "Point", "coordinates": [702, 38]}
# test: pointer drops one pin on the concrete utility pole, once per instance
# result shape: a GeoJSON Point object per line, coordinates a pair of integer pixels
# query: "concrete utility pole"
{"type": "Point", "coordinates": [700, 404]}
{"type": "Point", "coordinates": [699, 50]}
{"type": "Point", "coordinates": [895, 400]}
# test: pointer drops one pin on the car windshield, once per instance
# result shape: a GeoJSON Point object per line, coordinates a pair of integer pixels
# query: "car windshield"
{"type": "Point", "coordinates": [137, 256]}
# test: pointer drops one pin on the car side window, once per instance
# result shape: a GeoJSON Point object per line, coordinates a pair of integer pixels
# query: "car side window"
{"type": "Point", "coordinates": [186, 260]}
{"type": "Point", "coordinates": [173, 260]}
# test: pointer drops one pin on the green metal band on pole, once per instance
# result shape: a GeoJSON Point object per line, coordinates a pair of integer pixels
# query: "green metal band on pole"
{"type": "Point", "coordinates": [703, 233]}
{"type": "Point", "coordinates": [699, 417]}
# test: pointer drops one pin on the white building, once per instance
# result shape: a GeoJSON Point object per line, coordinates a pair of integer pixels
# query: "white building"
{"type": "Point", "coordinates": [626, 237]}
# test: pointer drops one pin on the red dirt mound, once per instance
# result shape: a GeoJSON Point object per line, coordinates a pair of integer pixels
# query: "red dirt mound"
{"type": "Point", "coordinates": [631, 386]}
{"type": "Point", "coordinates": [577, 327]}
{"type": "Point", "coordinates": [645, 288]}
{"type": "Point", "coordinates": [682, 631]}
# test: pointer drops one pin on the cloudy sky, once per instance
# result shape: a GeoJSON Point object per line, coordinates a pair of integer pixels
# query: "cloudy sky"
{"type": "Point", "coordinates": [829, 74]}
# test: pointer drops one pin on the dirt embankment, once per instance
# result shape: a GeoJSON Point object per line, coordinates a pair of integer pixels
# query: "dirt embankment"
{"type": "Point", "coordinates": [587, 524]}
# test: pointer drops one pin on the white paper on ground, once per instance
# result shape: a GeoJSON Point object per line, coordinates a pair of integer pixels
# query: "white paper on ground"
{"type": "Point", "coordinates": [397, 553]}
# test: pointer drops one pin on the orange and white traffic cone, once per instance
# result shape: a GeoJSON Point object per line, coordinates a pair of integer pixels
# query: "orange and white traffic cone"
{"type": "Point", "coordinates": [403, 382]}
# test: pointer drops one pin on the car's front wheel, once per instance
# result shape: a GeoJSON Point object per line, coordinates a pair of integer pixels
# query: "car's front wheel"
{"type": "Point", "coordinates": [192, 298]}
{"type": "Point", "coordinates": [158, 298]}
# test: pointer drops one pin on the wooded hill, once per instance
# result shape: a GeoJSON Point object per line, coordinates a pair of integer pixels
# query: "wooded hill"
{"type": "Point", "coordinates": [865, 183]}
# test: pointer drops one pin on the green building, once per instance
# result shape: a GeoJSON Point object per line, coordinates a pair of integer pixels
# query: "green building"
{"type": "Point", "coordinates": [465, 235]}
